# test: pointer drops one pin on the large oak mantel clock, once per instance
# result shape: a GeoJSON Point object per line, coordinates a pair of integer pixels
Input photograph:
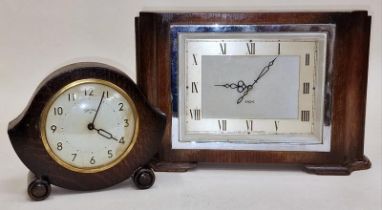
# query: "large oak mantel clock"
{"type": "Point", "coordinates": [258, 87]}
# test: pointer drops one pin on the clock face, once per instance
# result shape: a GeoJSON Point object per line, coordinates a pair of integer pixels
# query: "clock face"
{"type": "Point", "coordinates": [259, 89]}
{"type": "Point", "coordinates": [89, 125]}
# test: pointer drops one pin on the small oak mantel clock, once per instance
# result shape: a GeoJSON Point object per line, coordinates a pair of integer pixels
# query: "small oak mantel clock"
{"type": "Point", "coordinates": [87, 127]}
{"type": "Point", "coordinates": [258, 87]}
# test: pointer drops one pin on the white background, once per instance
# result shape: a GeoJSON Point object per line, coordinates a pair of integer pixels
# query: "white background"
{"type": "Point", "coordinates": [36, 37]}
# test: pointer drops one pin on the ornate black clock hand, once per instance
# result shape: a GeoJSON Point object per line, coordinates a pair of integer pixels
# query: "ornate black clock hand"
{"type": "Point", "coordinates": [105, 134]}
{"type": "Point", "coordinates": [241, 87]}
{"type": "Point", "coordinates": [91, 125]}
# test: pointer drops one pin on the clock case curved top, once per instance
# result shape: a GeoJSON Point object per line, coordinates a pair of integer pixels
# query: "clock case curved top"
{"type": "Point", "coordinates": [348, 87]}
{"type": "Point", "coordinates": [24, 131]}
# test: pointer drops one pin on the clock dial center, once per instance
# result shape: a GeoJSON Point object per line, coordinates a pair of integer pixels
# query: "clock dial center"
{"type": "Point", "coordinates": [97, 122]}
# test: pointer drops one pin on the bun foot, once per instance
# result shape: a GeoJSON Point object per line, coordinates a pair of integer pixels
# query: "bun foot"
{"type": "Point", "coordinates": [144, 178]}
{"type": "Point", "coordinates": [38, 188]}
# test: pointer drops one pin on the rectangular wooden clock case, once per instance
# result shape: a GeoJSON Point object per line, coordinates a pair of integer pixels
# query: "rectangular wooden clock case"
{"type": "Point", "coordinates": [348, 83]}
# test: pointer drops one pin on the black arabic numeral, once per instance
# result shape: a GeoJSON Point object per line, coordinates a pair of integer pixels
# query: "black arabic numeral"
{"type": "Point", "coordinates": [71, 97]}
{"type": "Point", "coordinates": [53, 128]}
{"type": "Point", "coordinates": [92, 160]}
{"type": "Point", "coordinates": [74, 156]}
{"type": "Point", "coordinates": [58, 110]}
{"type": "Point", "coordinates": [110, 153]}
{"type": "Point", "coordinates": [122, 140]}
{"type": "Point", "coordinates": [89, 92]}
{"type": "Point", "coordinates": [126, 123]}
{"type": "Point", "coordinates": [59, 146]}
{"type": "Point", "coordinates": [120, 106]}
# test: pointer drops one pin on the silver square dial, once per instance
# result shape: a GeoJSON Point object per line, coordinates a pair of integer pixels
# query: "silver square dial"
{"type": "Point", "coordinates": [255, 91]}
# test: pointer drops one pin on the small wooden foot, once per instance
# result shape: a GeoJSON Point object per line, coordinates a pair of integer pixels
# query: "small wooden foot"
{"type": "Point", "coordinates": [144, 178]}
{"type": "Point", "coordinates": [345, 169]}
{"type": "Point", "coordinates": [38, 188]}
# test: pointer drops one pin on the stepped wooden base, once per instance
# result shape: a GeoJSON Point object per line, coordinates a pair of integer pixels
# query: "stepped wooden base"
{"type": "Point", "coordinates": [346, 169]}
{"type": "Point", "coordinates": [173, 166]}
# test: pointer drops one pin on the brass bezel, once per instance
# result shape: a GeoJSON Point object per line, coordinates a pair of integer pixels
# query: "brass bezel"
{"type": "Point", "coordinates": [96, 169]}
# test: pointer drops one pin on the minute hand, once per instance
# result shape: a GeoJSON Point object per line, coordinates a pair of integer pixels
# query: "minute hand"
{"type": "Point", "coordinates": [264, 71]}
{"type": "Point", "coordinates": [99, 105]}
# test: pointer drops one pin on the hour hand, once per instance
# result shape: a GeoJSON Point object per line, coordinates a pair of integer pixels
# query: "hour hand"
{"type": "Point", "coordinates": [105, 134]}
{"type": "Point", "coordinates": [102, 132]}
{"type": "Point", "coordinates": [243, 88]}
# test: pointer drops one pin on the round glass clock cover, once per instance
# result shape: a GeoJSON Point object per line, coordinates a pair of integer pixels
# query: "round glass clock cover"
{"type": "Point", "coordinates": [89, 125]}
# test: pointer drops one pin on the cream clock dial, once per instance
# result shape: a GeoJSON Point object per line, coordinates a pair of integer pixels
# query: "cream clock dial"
{"type": "Point", "coordinates": [252, 88]}
{"type": "Point", "coordinates": [89, 125]}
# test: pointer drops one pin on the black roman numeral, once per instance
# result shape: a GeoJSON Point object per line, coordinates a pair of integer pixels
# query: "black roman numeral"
{"type": "Point", "coordinates": [277, 125]}
{"type": "Point", "coordinates": [195, 114]}
{"type": "Point", "coordinates": [279, 48]}
{"type": "Point", "coordinates": [195, 60]}
{"type": "Point", "coordinates": [306, 87]}
{"type": "Point", "coordinates": [305, 115]}
{"type": "Point", "coordinates": [194, 87]}
{"type": "Point", "coordinates": [222, 125]}
{"type": "Point", "coordinates": [223, 48]}
{"type": "Point", "coordinates": [249, 125]}
{"type": "Point", "coordinates": [251, 48]}
{"type": "Point", "coordinates": [307, 59]}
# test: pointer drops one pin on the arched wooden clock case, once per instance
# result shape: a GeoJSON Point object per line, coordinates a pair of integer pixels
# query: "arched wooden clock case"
{"type": "Point", "coordinates": [25, 136]}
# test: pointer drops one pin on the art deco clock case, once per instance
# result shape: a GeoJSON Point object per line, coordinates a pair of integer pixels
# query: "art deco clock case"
{"type": "Point", "coordinates": [258, 87]}
{"type": "Point", "coordinates": [86, 127]}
